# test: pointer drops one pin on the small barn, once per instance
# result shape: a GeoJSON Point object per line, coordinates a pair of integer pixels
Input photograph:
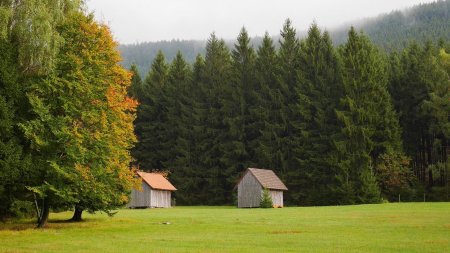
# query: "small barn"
{"type": "Point", "coordinates": [156, 191]}
{"type": "Point", "coordinates": [250, 187]}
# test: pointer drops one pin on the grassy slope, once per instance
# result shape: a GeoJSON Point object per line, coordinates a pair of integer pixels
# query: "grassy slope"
{"type": "Point", "coordinates": [408, 227]}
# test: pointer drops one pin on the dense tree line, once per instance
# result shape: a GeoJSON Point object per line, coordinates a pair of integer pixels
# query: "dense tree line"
{"type": "Point", "coordinates": [421, 93]}
{"type": "Point", "coordinates": [339, 125]}
{"type": "Point", "coordinates": [390, 32]}
{"type": "Point", "coordinates": [65, 120]}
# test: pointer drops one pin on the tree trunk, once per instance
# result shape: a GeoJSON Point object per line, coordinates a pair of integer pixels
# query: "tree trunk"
{"type": "Point", "coordinates": [430, 162]}
{"type": "Point", "coordinates": [42, 221]}
{"type": "Point", "coordinates": [77, 214]}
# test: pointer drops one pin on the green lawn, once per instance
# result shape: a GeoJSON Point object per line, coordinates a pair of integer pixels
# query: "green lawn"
{"type": "Point", "coordinates": [406, 227]}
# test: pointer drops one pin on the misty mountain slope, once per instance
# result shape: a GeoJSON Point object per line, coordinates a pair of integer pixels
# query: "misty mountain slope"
{"type": "Point", "coordinates": [391, 31]}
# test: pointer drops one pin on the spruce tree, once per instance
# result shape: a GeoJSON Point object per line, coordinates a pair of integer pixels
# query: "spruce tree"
{"type": "Point", "coordinates": [370, 125]}
{"type": "Point", "coordinates": [193, 178]}
{"type": "Point", "coordinates": [266, 107]}
{"type": "Point", "coordinates": [188, 173]}
{"type": "Point", "coordinates": [264, 111]}
{"type": "Point", "coordinates": [178, 113]}
{"type": "Point", "coordinates": [289, 79]}
{"type": "Point", "coordinates": [179, 118]}
{"type": "Point", "coordinates": [135, 90]}
{"type": "Point", "coordinates": [214, 80]}
{"type": "Point", "coordinates": [152, 118]}
{"type": "Point", "coordinates": [236, 97]}
{"type": "Point", "coordinates": [319, 94]}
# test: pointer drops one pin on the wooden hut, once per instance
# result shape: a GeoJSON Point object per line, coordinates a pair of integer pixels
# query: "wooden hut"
{"type": "Point", "coordinates": [156, 191]}
{"type": "Point", "coordinates": [251, 185]}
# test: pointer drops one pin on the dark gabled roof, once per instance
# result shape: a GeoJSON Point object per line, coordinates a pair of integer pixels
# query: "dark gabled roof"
{"type": "Point", "coordinates": [267, 179]}
{"type": "Point", "coordinates": [156, 181]}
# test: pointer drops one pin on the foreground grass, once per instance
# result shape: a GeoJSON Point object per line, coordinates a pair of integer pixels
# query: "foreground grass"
{"type": "Point", "coordinates": [406, 227]}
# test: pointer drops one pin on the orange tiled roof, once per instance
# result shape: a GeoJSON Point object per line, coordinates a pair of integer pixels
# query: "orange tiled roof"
{"type": "Point", "coordinates": [268, 179]}
{"type": "Point", "coordinates": [156, 181]}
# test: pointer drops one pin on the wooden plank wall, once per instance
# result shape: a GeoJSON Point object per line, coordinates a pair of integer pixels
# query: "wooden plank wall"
{"type": "Point", "coordinates": [277, 197]}
{"type": "Point", "coordinates": [140, 198]}
{"type": "Point", "coordinates": [160, 198]}
{"type": "Point", "coordinates": [249, 191]}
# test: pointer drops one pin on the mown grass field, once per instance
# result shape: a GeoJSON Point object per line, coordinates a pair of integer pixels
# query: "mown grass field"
{"type": "Point", "coordinates": [405, 227]}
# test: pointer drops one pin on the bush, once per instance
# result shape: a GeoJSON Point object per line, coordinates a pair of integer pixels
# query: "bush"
{"type": "Point", "coordinates": [394, 177]}
{"type": "Point", "coordinates": [266, 201]}
{"type": "Point", "coordinates": [438, 193]}
{"type": "Point", "coordinates": [22, 209]}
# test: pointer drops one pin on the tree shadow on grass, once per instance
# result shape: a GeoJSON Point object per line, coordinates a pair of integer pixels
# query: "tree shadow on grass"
{"type": "Point", "coordinates": [17, 225]}
{"type": "Point", "coordinates": [51, 224]}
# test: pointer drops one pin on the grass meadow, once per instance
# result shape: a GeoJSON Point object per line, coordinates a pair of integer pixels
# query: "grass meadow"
{"type": "Point", "coordinates": [402, 227]}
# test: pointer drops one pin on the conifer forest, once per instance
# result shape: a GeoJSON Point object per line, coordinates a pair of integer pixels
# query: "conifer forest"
{"type": "Point", "coordinates": [339, 124]}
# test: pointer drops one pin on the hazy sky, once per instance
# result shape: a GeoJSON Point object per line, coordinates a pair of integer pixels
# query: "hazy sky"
{"type": "Point", "coordinates": [153, 20]}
